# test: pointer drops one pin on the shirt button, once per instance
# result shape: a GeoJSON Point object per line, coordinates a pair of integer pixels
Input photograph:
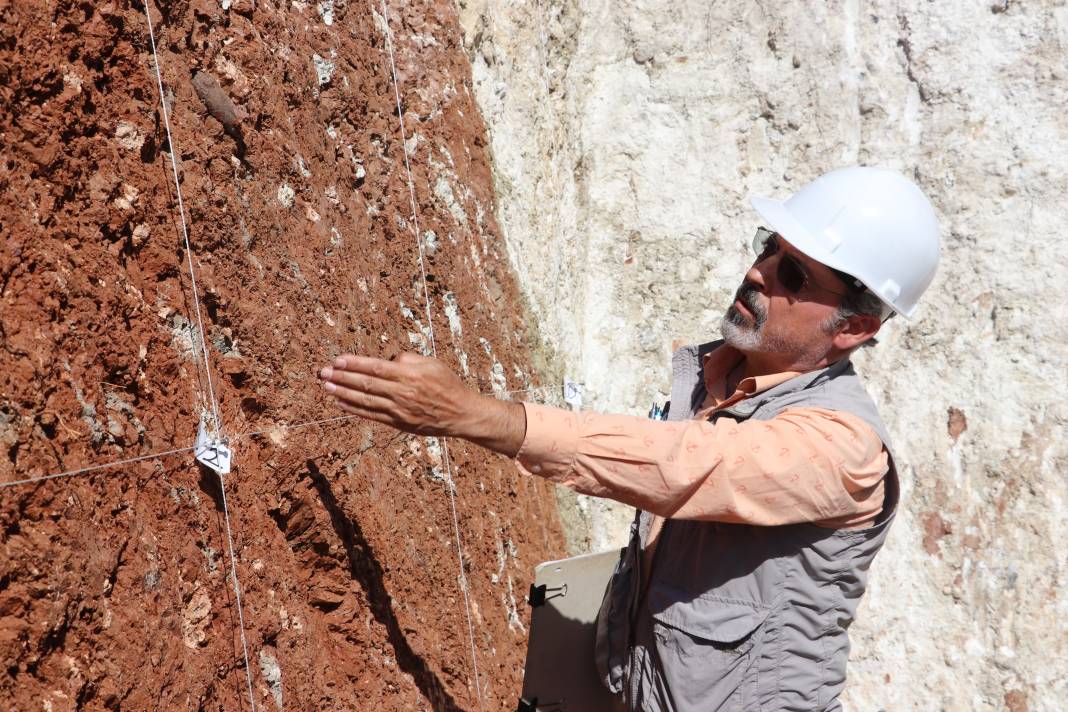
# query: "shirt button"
{"type": "Point", "coordinates": [536, 469]}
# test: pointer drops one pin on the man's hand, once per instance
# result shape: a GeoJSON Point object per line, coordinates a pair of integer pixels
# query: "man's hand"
{"type": "Point", "coordinates": [422, 396]}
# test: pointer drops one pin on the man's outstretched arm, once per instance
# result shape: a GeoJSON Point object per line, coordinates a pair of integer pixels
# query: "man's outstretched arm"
{"type": "Point", "coordinates": [421, 395]}
{"type": "Point", "coordinates": [804, 465]}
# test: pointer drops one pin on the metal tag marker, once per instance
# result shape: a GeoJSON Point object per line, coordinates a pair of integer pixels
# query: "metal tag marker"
{"type": "Point", "coordinates": [212, 452]}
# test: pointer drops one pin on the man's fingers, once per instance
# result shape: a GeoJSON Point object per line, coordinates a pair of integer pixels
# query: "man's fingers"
{"type": "Point", "coordinates": [359, 382]}
{"type": "Point", "coordinates": [359, 399]}
{"type": "Point", "coordinates": [376, 367]}
{"type": "Point", "coordinates": [368, 414]}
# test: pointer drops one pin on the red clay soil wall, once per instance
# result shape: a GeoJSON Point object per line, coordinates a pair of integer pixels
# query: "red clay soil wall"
{"type": "Point", "coordinates": [114, 585]}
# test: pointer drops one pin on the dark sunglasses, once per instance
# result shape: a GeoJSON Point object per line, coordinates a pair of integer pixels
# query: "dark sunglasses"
{"type": "Point", "coordinates": [790, 273]}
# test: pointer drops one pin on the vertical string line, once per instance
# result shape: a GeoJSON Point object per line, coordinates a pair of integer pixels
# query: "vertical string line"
{"type": "Point", "coordinates": [204, 352]}
{"type": "Point", "coordinates": [237, 592]}
{"type": "Point", "coordinates": [411, 187]}
{"type": "Point", "coordinates": [434, 350]}
{"type": "Point", "coordinates": [181, 213]}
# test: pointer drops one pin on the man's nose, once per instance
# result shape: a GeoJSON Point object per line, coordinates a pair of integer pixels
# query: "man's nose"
{"type": "Point", "coordinates": [755, 277]}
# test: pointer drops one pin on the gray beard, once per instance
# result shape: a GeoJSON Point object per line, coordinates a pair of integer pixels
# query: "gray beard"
{"type": "Point", "coordinates": [738, 331]}
{"type": "Point", "coordinates": [750, 337]}
{"type": "Point", "coordinates": [743, 338]}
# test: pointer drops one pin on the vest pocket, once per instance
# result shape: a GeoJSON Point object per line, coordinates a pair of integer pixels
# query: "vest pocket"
{"type": "Point", "coordinates": [705, 647]}
{"type": "Point", "coordinates": [726, 621]}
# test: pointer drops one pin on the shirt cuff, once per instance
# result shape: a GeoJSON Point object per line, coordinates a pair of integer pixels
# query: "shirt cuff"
{"type": "Point", "coordinates": [551, 442]}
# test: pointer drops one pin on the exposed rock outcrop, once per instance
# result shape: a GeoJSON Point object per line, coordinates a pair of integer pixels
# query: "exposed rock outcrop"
{"type": "Point", "coordinates": [115, 588]}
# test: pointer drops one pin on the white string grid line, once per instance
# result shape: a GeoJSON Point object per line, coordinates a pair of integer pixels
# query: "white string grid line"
{"type": "Point", "coordinates": [434, 349]}
{"type": "Point", "coordinates": [181, 213]}
{"type": "Point", "coordinates": [237, 591]}
{"type": "Point", "coordinates": [158, 455]}
{"type": "Point", "coordinates": [292, 426]}
{"type": "Point", "coordinates": [95, 468]}
{"type": "Point", "coordinates": [524, 390]}
{"type": "Point", "coordinates": [232, 439]}
{"type": "Point", "coordinates": [204, 351]}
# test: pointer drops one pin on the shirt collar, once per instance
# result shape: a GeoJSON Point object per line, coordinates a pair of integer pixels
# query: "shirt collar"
{"type": "Point", "coordinates": [718, 365]}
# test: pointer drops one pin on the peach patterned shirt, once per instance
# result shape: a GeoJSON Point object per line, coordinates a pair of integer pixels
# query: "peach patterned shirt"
{"type": "Point", "coordinates": [804, 465]}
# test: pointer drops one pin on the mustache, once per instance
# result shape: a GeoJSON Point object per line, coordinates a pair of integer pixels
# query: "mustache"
{"type": "Point", "coordinates": [746, 294]}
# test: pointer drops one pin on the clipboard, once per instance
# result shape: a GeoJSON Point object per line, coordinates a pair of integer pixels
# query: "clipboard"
{"type": "Point", "coordinates": [560, 674]}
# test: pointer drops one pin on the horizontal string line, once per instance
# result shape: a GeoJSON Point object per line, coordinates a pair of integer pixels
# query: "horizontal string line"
{"type": "Point", "coordinates": [293, 426]}
{"type": "Point", "coordinates": [96, 468]}
{"type": "Point", "coordinates": [239, 436]}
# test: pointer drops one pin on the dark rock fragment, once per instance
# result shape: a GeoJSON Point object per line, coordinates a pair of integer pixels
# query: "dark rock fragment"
{"type": "Point", "coordinates": [219, 105]}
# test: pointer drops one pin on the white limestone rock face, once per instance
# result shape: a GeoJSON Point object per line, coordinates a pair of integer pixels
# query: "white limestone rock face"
{"type": "Point", "coordinates": [627, 136]}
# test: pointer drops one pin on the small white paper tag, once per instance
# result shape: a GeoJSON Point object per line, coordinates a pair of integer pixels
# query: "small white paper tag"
{"type": "Point", "coordinates": [212, 453]}
{"type": "Point", "coordinates": [573, 393]}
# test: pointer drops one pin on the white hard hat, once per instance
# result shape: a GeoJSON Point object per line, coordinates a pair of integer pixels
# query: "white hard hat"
{"type": "Point", "coordinates": [871, 223]}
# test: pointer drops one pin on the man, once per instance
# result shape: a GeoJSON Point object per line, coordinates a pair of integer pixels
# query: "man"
{"type": "Point", "coordinates": [765, 496]}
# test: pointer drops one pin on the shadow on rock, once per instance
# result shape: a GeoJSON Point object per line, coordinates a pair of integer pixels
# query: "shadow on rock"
{"type": "Point", "coordinates": [364, 568]}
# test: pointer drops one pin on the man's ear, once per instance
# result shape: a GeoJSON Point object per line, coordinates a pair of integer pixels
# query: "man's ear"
{"type": "Point", "coordinates": [855, 330]}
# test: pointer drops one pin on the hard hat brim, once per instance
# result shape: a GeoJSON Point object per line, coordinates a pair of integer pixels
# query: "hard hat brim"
{"type": "Point", "coordinates": [777, 217]}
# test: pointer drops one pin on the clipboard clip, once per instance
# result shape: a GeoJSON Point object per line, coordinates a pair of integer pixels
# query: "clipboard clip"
{"type": "Point", "coordinates": [531, 704]}
{"type": "Point", "coordinates": [540, 594]}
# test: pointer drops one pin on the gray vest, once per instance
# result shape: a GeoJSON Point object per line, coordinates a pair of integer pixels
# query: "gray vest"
{"type": "Point", "coordinates": [739, 617]}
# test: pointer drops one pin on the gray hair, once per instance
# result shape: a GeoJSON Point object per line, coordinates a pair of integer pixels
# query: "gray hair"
{"type": "Point", "coordinates": [856, 302]}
